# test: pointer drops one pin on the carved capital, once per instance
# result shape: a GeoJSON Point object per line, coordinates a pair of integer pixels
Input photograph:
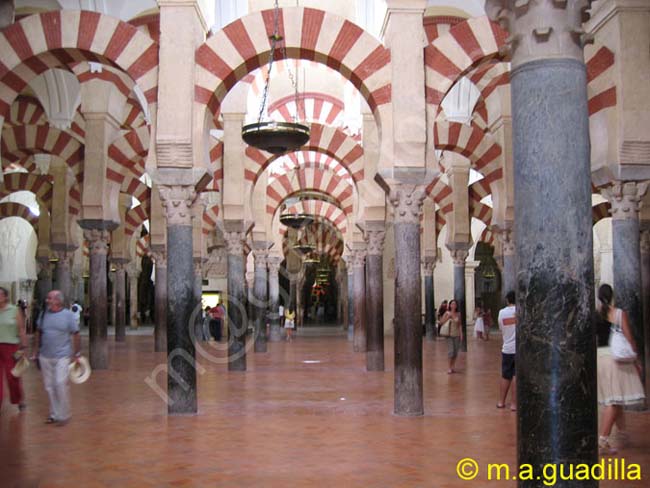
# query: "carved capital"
{"type": "Point", "coordinates": [160, 258]}
{"type": "Point", "coordinates": [64, 257]}
{"type": "Point", "coordinates": [506, 238]}
{"type": "Point", "coordinates": [625, 199]}
{"type": "Point", "coordinates": [274, 263]}
{"type": "Point", "coordinates": [234, 242]}
{"type": "Point", "coordinates": [358, 258]}
{"type": "Point", "coordinates": [541, 29]}
{"type": "Point", "coordinates": [261, 258]}
{"type": "Point", "coordinates": [407, 201]}
{"type": "Point", "coordinates": [645, 242]}
{"type": "Point", "coordinates": [459, 256]}
{"type": "Point", "coordinates": [375, 242]}
{"type": "Point", "coordinates": [177, 200]}
{"type": "Point", "coordinates": [428, 265]}
{"type": "Point", "coordinates": [98, 240]}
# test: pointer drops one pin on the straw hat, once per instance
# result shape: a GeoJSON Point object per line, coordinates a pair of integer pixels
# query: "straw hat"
{"type": "Point", "coordinates": [21, 366]}
{"type": "Point", "coordinates": [79, 370]}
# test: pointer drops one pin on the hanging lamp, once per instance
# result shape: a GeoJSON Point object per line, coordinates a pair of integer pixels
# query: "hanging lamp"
{"type": "Point", "coordinates": [275, 137]}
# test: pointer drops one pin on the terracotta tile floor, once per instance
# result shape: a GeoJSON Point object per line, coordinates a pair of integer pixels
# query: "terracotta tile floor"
{"type": "Point", "coordinates": [282, 423]}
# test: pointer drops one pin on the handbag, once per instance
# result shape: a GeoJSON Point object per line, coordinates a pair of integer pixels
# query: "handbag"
{"type": "Point", "coordinates": [621, 349]}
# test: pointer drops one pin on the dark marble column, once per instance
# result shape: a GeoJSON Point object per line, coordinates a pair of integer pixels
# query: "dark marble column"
{"type": "Point", "coordinates": [645, 299]}
{"type": "Point", "coordinates": [64, 273]}
{"type": "Point", "coordinates": [459, 256]}
{"type": "Point", "coordinates": [160, 302]}
{"type": "Point", "coordinates": [44, 283]}
{"type": "Point", "coordinates": [120, 301]}
{"type": "Point", "coordinates": [132, 273]}
{"type": "Point", "coordinates": [236, 301]}
{"type": "Point", "coordinates": [197, 295]}
{"type": "Point", "coordinates": [429, 264]}
{"type": "Point", "coordinates": [359, 342]}
{"type": "Point", "coordinates": [98, 239]}
{"type": "Point", "coordinates": [260, 298]}
{"type": "Point", "coordinates": [350, 317]}
{"type": "Point", "coordinates": [181, 363]}
{"type": "Point", "coordinates": [375, 300]}
{"type": "Point", "coordinates": [557, 419]}
{"type": "Point", "coordinates": [274, 298]}
{"type": "Point", "coordinates": [407, 202]}
{"type": "Point", "coordinates": [625, 199]}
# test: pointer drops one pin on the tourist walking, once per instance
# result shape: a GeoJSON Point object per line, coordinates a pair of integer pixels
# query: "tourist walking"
{"type": "Point", "coordinates": [619, 383]}
{"type": "Point", "coordinates": [289, 322]}
{"type": "Point", "coordinates": [508, 327]}
{"type": "Point", "coordinates": [57, 344]}
{"type": "Point", "coordinates": [12, 340]}
{"type": "Point", "coordinates": [455, 335]}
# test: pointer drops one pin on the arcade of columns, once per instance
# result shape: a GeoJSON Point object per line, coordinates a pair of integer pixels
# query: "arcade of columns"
{"type": "Point", "coordinates": [549, 73]}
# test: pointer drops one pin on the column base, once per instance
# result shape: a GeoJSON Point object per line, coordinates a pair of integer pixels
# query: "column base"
{"type": "Point", "coordinates": [276, 333]}
{"type": "Point", "coordinates": [375, 361]}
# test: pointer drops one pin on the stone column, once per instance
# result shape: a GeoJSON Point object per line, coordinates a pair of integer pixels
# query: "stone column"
{"type": "Point", "coordinates": [625, 199]}
{"type": "Point", "coordinates": [236, 301]}
{"type": "Point", "coordinates": [556, 352]}
{"type": "Point", "coordinates": [470, 290]}
{"type": "Point", "coordinates": [645, 299]}
{"type": "Point", "coordinates": [375, 300]}
{"type": "Point", "coordinates": [44, 283]}
{"type": "Point", "coordinates": [197, 295]}
{"type": "Point", "coordinates": [133, 295]}
{"type": "Point", "coordinates": [350, 316]}
{"type": "Point", "coordinates": [160, 302]}
{"type": "Point", "coordinates": [260, 298]}
{"type": "Point", "coordinates": [64, 273]}
{"type": "Point", "coordinates": [98, 243]}
{"type": "Point", "coordinates": [508, 275]}
{"type": "Point", "coordinates": [428, 265]}
{"type": "Point", "coordinates": [274, 297]}
{"type": "Point", "coordinates": [459, 256]}
{"type": "Point", "coordinates": [120, 301]}
{"type": "Point", "coordinates": [359, 342]}
{"type": "Point", "coordinates": [177, 201]}
{"type": "Point", "coordinates": [407, 202]}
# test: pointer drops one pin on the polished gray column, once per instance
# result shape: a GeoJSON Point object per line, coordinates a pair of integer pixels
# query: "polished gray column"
{"type": "Point", "coordinates": [556, 351]}
{"type": "Point", "coordinates": [645, 299]}
{"type": "Point", "coordinates": [98, 239]}
{"type": "Point", "coordinates": [64, 273]}
{"type": "Point", "coordinates": [375, 300]}
{"type": "Point", "coordinates": [236, 301]}
{"type": "Point", "coordinates": [260, 296]}
{"type": "Point", "coordinates": [44, 283]}
{"type": "Point", "coordinates": [625, 200]}
{"type": "Point", "coordinates": [459, 256]}
{"type": "Point", "coordinates": [120, 301]}
{"type": "Point", "coordinates": [181, 363]}
{"type": "Point", "coordinates": [359, 342]}
{"type": "Point", "coordinates": [350, 317]}
{"type": "Point", "coordinates": [407, 202]}
{"type": "Point", "coordinates": [429, 264]}
{"type": "Point", "coordinates": [274, 298]}
{"type": "Point", "coordinates": [160, 302]}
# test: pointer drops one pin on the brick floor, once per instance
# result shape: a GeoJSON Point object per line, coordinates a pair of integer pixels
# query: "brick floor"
{"type": "Point", "coordinates": [282, 423]}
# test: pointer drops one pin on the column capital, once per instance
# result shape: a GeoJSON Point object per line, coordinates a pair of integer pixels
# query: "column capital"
{"type": "Point", "coordinates": [375, 242]}
{"type": "Point", "coordinates": [428, 265]}
{"type": "Point", "coordinates": [625, 198]}
{"type": "Point", "coordinates": [459, 256]}
{"type": "Point", "coordinates": [160, 258]}
{"type": "Point", "coordinates": [64, 256]}
{"type": "Point", "coordinates": [98, 240]}
{"type": "Point", "coordinates": [235, 241]}
{"type": "Point", "coordinates": [177, 200]}
{"type": "Point", "coordinates": [407, 201]}
{"type": "Point", "coordinates": [274, 263]}
{"type": "Point", "coordinates": [261, 258]}
{"type": "Point", "coordinates": [506, 238]}
{"type": "Point", "coordinates": [541, 29]}
{"type": "Point", "coordinates": [645, 241]}
{"type": "Point", "coordinates": [358, 258]}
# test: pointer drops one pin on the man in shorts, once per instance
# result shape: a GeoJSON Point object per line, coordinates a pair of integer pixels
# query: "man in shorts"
{"type": "Point", "coordinates": [508, 327]}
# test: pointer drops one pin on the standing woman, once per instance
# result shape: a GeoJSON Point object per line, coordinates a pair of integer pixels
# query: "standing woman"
{"type": "Point", "coordinates": [12, 337]}
{"type": "Point", "coordinates": [455, 334]}
{"type": "Point", "coordinates": [479, 324]}
{"type": "Point", "coordinates": [619, 384]}
{"type": "Point", "coordinates": [289, 322]}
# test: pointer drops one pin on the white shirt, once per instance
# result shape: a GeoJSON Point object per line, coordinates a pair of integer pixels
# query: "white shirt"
{"type": "Point", "coordinates": [281, 311]}
{"type": "Point", "coordinates": [76, 312]}
{"type": "Point", "coordinates": [508, 327]}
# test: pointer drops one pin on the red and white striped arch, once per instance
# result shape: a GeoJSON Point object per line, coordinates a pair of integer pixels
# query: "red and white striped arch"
{"type": "Point", "coordinates": [487, 236]}
{"type": "Point", "coordinates": [310, 106]}
{"type": "Point", "coordinates": [26, 111]}
{"type": "Point", "coordinates": [322, 235]}
{"type": "Point", "coordinates": [127, 154]}
{"type": "Point", "coordinates": [323, 139]}
{"type": "Point", "coordinates": [327, 182]}
{"type": "Point", "coordinates": [63, 37]}
{"type": "Point", "coordinates": [441, 194]}
{"type": "Point", "coordinates": [149, 25]}
{"type": "Point", "coordinates": [13, 209]}
{"type": "Point", "coordinates": [138, 190]}
{"type": "Point", "coordinates": [480, 148]}
{"type": "Point", "coordinates": [143, 247]}
{"type": "Point", "coordinates": [134, 218]}
{"type": "Point", "coordinates": [210, 218]}
{"type": "Point", "coordinates": [216, 164]}
{"type": "Point", "coordinates": [451, 55]}
{"type": "Point", "coordinates": [307, 159]}
{"type": "Point", "coordinates": [314, 35]}
{"type": "Point", "coordinates": [321, 210]}
{"type": "Point", "coordinates": [480, 211]}
{"type": "Point", "coordinates": [600, 212]}
{"type": "Point", "coordinates": [39, 185]}
{"type": "Point", "coordinates": [601, 83]}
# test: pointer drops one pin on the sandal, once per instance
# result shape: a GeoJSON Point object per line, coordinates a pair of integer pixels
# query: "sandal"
{"type": "Point", "coordinates": [604, 446]}
{"type": "Point", "coordinates": [50, 420]}
{"type": "Point", "coordinates": [501, 405]}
